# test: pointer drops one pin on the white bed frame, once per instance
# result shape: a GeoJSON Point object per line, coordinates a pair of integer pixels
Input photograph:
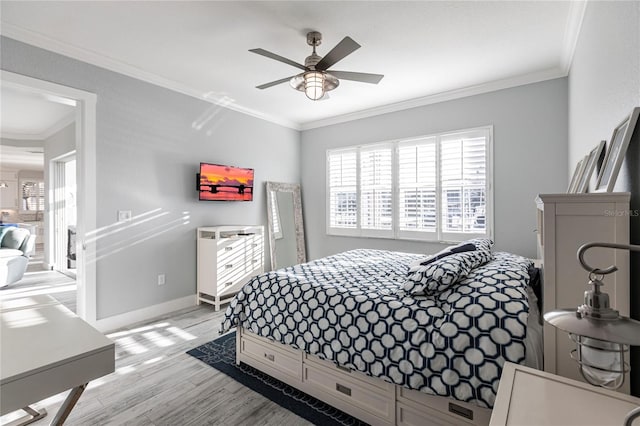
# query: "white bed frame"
{"type": "Point", "coordinates": [367, 398]}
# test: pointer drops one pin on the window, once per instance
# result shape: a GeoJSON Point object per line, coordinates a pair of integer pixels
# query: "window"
{"type": "Point", "coordinates": [434, 187]}
{"type": "Point", "coordinates": [31, 195]}
{"type": "Point", "coordinates": [342, 171]}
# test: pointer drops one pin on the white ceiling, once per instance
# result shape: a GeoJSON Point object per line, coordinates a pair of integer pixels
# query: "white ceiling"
{"type": "Point", "coordinates": [26, 120]}
{"type": "Point", "coordinates": [30, 115]}
{"type": "Point", "coordinates": [427, 50]}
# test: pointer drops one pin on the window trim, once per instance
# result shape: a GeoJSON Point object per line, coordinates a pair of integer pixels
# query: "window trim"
{"type": "Point", "coordinates": [395, 233]}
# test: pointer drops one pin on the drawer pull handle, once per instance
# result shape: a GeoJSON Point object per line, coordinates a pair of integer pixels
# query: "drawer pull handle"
{"type": "Point", "coordinates": [229, 266]}
{"type": "Point", "coordinates": [343, 389]}
{"type": "Point", "coordinates": [270, 357]}
{"type": "Point", "coordinates": [345, 369]}
{"type": "Point", "coordinates": [255, 245]}
{"type": "Point", "coordinates": [228, 283]}
{"type": "Point", "coordinates": [461, 411]}
{"type": "Point", "coordinates": [228, 248]}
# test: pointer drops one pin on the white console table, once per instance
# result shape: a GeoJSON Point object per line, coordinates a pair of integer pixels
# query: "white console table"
{"type": "Point", "coordinates": [46, 349]}
{"type": "Point", "coordinates": [531, 397]}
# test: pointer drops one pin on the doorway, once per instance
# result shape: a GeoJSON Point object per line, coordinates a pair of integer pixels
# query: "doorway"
{"type": "Point", "coordinates": [85, 156]}
{"type": "Point", "coordinates": [64, 214]}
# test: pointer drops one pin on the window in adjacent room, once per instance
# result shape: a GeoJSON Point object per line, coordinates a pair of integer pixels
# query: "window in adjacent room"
{"type": "Point", "coordinates": [31, 195]}
{"type": "Point", "coordinates": [436, 187]}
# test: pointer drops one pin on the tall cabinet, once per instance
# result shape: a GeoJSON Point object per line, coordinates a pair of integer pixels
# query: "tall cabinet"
{"type": "Point", "coordinates": [565, 222]}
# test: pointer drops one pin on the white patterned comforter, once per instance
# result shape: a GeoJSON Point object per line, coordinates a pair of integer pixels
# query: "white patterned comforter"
{"type": "Point", "coordinates": [348, 308]}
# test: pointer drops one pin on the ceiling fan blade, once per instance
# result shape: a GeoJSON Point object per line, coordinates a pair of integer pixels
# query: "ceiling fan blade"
{"type": "Point", "coordinates": [357, 76]}
{"type": "Point", "coordinates": [274, 83]}
{"type": "Point", "coordinates": [342, 49]}
{"type": "Point", "coordinates": [278, 58]}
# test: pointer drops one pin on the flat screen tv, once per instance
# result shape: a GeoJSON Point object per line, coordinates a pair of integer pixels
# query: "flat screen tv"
{"type": "Point", "coordinates": [225, 183]}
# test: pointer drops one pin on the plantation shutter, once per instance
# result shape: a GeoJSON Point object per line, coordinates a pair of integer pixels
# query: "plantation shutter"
{"type": "Point", "coordinates": [463, 185]}
{"type": "Point", "coordinates": [417, 179]}
{"type": "Point", "coordinates": [376, 195]}
{"type": "Point", "coordinates": [432, 188]}
{"type": "Point", "coordinates": [342, 168]}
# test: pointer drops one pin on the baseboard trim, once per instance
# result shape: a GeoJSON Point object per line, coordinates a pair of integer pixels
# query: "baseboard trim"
{"type": "Point", "coordinates": [115, 322]}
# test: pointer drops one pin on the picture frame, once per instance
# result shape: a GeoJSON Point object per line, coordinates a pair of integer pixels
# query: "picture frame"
{"type": "Point", "coordinates": [590, 166]}
{"type": "Point", "coordinates": [616, 152]}
{"type": "Point", "coordinates": [577, 176]}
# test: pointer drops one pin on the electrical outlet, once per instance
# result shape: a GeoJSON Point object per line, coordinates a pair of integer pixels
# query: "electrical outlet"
{"type": "Point", "coordinates": [161, 279]}
{"type": "Point", "coordinates": [124, 215]}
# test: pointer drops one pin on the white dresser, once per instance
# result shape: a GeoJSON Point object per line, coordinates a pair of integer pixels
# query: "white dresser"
{"type": "Point", "coordinates": [228, 256]}
{"type": "Point", "coordinates": [528, 397]}
{"type": "Point", "coordinates": [565, 222]}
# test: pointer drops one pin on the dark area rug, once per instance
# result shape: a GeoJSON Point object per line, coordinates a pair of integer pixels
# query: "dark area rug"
{"type": "Point", "coordinates": [221, 355]}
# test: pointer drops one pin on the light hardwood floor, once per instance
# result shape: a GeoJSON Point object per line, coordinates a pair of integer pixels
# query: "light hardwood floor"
{"type": "Point", "coordinates": [157, 383]}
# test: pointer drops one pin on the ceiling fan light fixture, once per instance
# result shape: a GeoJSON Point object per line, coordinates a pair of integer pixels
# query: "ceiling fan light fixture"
{"type": "Point", "coordinates": [314, 83]}
{"type": "Point", "coordinates": [317, 78]}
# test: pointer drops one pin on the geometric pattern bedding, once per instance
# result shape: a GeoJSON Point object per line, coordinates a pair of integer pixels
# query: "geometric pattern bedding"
{"type": "Point", "coordinates": [349, 308]}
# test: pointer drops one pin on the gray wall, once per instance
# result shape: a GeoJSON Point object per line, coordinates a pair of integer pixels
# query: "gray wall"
{"type": "Point", "coordinates": [604, 85]}
{"type": "Point", "coordinates": [148, 152]}
{"type": "Point", "coordinates": [530, 157]}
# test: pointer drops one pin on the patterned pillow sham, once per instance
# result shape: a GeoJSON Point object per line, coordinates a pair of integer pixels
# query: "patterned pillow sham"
{"type": "Point", "coordinates": [437, 276]}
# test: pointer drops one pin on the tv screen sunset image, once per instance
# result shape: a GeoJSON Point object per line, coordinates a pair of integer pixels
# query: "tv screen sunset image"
{"type": "Point", "coordinates": [225, 183]}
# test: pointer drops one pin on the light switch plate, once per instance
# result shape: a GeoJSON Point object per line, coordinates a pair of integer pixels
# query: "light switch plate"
{"type": "Point", "coordinates": [124, 215]}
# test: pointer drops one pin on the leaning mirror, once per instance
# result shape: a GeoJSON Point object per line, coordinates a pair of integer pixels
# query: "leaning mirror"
{"type": "Point", "coordinates": [286, 229]}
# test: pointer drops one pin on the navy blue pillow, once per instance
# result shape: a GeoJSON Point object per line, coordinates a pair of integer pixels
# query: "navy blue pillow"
{"type": "Point", "coordinates": [460, 248]}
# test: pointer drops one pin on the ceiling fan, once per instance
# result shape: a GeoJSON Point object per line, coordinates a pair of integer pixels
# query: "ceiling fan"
{"type": "Point", "coordinates": [317, 78]}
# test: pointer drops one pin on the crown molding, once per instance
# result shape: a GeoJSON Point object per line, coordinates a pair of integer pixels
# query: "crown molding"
{"type": "Point", "coordinates": [464, 92]}
{"type": "Point", "coordinates": [42, 41]}
{"type": "Point", "coordinates": [572, 33]}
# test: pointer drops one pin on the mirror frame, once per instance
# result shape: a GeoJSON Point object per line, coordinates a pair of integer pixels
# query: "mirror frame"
{"type": "Point", "coordinates": [294, 188]}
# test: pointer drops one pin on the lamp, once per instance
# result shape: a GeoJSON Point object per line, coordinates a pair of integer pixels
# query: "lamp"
{"type": "Point", "coordinates": [314, 83]}
{"type": "Point", "coordinates": [601, 334]}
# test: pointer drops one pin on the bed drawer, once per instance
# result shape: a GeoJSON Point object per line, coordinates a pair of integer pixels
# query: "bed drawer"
{"type": "Point", "coordinates": [457, 412]}
{"type": "Point", "coordinates": [376, 401]}
{"type": "Point", "coordinates": [340, 371]}
{"type": "Point", "coordinates": [409, 416]}
{"type": "Point", "coordinates": [273, 355]}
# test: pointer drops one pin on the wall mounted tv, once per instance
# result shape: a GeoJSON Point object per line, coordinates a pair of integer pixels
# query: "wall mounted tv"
{"type": "Point", "coordinates": [224, 183]}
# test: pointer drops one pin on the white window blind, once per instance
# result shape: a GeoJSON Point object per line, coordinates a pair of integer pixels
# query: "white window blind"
{"type": "Point", "coordinates": [33, 196]}
{"type": "Point", "coordinates": [376, 207]}
{"type": "Point", "coordinates": [435, 187]}
{"type": "Point", "coordinates": [343, 176]}
{"type": "Point", "coordinates": [463, 184]}
{"type": "Point", "coordinates": [417, 187]}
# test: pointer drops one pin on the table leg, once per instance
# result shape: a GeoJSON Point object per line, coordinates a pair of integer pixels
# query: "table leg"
{"type": "Point", "coordinates": [32, 416]}
{"type": "Point", "coordinates": [68, 405]}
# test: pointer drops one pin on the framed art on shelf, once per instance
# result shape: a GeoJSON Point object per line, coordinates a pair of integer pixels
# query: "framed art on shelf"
{"type": "Point", "coordinates": [590, 166]}
{"type": "Point", "coordinates": [616, 152]}
{"type": "Point", "coordinates": [577, 176]}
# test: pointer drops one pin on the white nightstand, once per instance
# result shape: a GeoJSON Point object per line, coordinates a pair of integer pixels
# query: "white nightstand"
{"type": "Point", "coordinates": [532, 397]}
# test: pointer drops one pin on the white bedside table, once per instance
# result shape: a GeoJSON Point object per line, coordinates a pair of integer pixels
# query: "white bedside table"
{"type": "Point", "coordinates": [532, 397]}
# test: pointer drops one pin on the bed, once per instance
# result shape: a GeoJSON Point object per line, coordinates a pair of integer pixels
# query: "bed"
{"type": "Point", "coordinates": [350, 330]}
